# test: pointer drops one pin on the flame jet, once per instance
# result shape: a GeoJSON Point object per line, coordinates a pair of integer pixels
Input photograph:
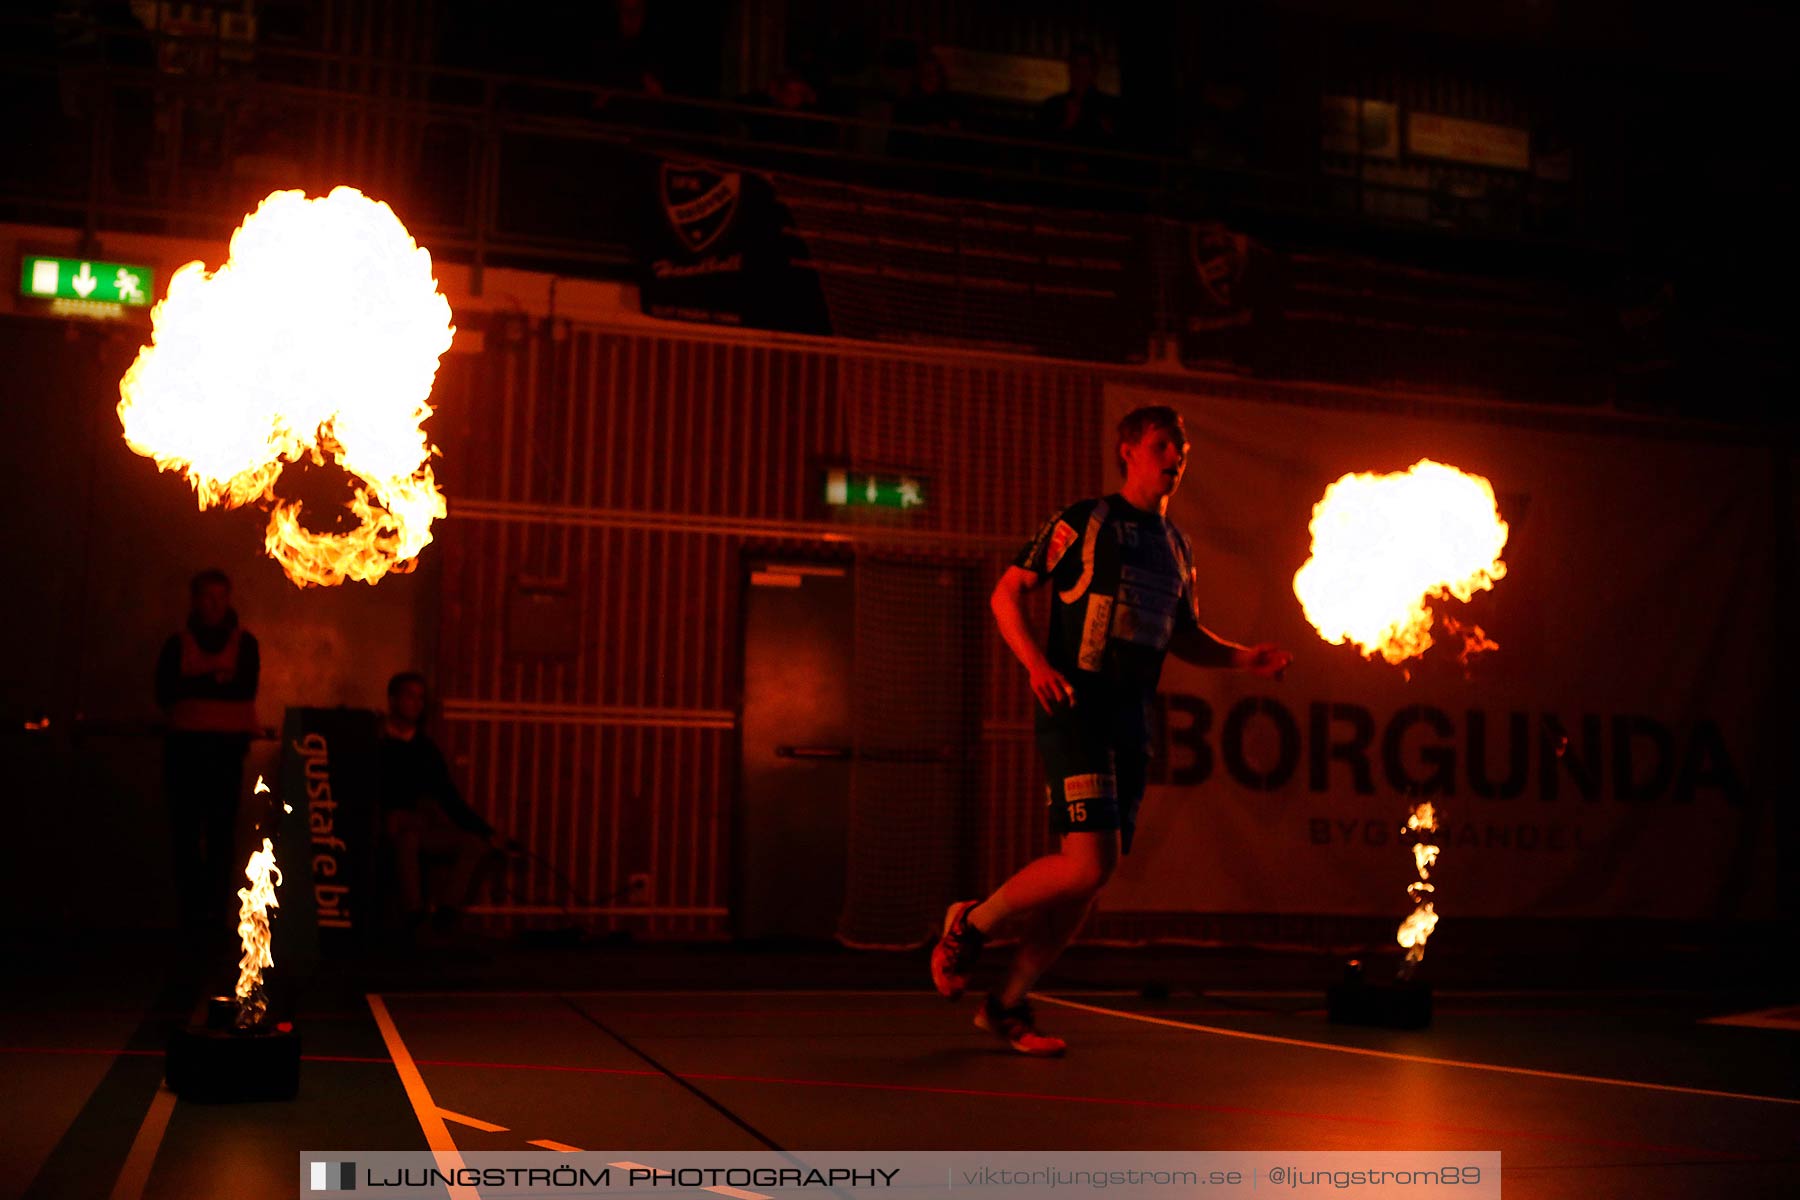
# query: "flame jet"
{"type": "Point", "coordinates": [255, 938]}
{"type": "Point", "coordinates": [1382, 545]}
{"type": "Point", "coordinates": [319, 337]}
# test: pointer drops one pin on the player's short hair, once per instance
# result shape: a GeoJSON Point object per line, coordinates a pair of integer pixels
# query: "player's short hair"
{"type": "Point", "coordinates": [207, 578]}
{"type": "Point", "coordinates": [401, 679]}
{"type": "Point", "coordinates": [1140, 421]}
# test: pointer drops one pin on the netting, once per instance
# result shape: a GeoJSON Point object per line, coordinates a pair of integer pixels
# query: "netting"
{"type": "Point", "coordinates": [946, 798]}
{"type": "Point", "coordinates": [813, 256]}
{"type": "Point", "coordinates": [913, 715]}
{"type": "Point", "coordinates": [898, 267]}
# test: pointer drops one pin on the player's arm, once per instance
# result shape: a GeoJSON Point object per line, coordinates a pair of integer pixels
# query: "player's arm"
{"type": "Point", "coordinates": [1008, 605]}
{"type": "Point", "coordinates": [1195, 643]}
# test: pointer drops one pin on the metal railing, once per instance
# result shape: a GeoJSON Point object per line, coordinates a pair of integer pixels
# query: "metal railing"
{"type": "Point", "coordinates": [496, 168]}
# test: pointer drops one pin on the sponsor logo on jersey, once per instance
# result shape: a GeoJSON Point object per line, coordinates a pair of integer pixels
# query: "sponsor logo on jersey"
{"type": "Point", "coordinates": [1061, 538]}
{"type": "Point", "coordinates": [1094, 632]}
{"type": "Point", "coordinates": [1148, 600]}
{"type": "Point", "coordinates": [1143, 627]}
{"type": "Point", "coordinates": [1090, 787]}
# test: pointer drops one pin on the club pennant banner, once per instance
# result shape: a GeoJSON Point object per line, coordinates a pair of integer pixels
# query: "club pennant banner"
{"type": "Point", "coordinates": [1618, 753]}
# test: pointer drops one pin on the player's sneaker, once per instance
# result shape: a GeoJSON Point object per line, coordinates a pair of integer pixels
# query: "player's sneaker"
{"type": "Point", "coordinates": [1018, 1028]}
{"type": "Point", "coordinates": [956, 951]}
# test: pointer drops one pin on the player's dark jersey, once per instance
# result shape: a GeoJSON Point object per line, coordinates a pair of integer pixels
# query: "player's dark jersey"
{"type": "Point", "coordinates": [1122, 583]}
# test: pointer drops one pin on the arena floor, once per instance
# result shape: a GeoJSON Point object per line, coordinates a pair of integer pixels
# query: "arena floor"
{"type": "Point", "coordinates": [1586, 1093]}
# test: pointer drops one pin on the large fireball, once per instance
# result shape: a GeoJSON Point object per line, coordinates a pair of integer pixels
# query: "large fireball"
{"type": "Point", "coordinates": [319, 336]}
{"type": "Point", "coordinates": [1382, 545]}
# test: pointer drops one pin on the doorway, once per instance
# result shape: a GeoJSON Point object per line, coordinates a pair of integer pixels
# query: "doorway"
{"type": "Point", "coordinates": [796, 745]}
{"type": "Point", "coordinates": [859, 733]}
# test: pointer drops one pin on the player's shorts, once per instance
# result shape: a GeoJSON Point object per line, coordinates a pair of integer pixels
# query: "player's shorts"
{"type": "Point", "coordinates": [1095, 773]}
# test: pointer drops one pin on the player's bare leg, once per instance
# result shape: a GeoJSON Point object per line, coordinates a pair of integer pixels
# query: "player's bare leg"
{"type": "Point", "coordinates": [1087, 862]}
{"type": "Point", "coordinates": [1049, 934]}
{"type": "Point", "coordinates": [1055, 881]}
{"type": "Point", "coordinates": [1082, 867]}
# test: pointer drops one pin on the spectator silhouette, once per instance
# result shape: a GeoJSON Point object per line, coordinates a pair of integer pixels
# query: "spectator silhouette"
{"type": "Point", "coordinates": [424, 816]}
{"type": "Point", "coordinates": [206, 680]}
{"type": "Point", "coordinates": [927, 104]}
{"type": "Point", "coordinates": [786, 96]}
{"type": "Point", "coordinates": [629, 66]}
{"type": "Point", "coordinates": [629, 57]}
{"type": "Point", "coordinates": [1084, 115]}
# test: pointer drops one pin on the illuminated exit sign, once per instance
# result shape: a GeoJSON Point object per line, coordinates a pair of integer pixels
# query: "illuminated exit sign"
{"type": "Point", "coordinates": [85, 286]}
{"type": "Point", "coordinates": [869, 489]}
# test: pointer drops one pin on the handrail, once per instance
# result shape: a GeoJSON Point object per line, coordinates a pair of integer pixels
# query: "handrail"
{"type": "Point", "coordinates": [602, 96]}
{"type": "Point", "coordinates": [730, 130]}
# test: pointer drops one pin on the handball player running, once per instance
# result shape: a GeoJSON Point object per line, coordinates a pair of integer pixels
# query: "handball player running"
{"type": "Point", "coordinates": [1123, 595]}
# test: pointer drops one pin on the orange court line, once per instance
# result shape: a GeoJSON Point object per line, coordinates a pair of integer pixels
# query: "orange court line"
{"type": "Point", "coordinates": [437, 1134]}
{"type": "Point", "coordinates": [472, 1122]}
{"type": "Point", "coordinates": [1395, 1056]}
{"type": "Point", "coordinates": [135, 1174]}
{"type": "Point", "coordinates": [1054, 1097]}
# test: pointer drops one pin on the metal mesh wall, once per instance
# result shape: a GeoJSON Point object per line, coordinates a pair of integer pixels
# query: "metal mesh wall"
{"type": "Point", "coordinates": [911, 792]}
{"type": "Point", "coordinates": [604, 487]}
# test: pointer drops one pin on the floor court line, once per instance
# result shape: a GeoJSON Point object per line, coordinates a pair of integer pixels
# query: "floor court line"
{"type": "Point", "coordinates": [400, 1054]}
{"type": "Point", "coordinates": [561, 1068]}
{"type": "Point", "coordinates": [1107, 1101]}
{"type": "Point", "coordinates": [1243, 993]}
{"type": "Point", "coordinates": [565, 1148]}
{"type": "Point", "coordinates": [1472, 993]}
{"type": "Point", "coordinates": [1240, 993]}
{"type": "Point", "coordinates": [135, 1173]}
{"type": "Point", "coordinates": [1785, 1016]}
{"type": "Point", "coordinates": [437, 1134]}
{"type": "Point", "coordinates": [1396, 1056]}
{"type": "Point", "coordinates": [560, 992]}
{"type": "Point", "coordinates": [676, 1077]}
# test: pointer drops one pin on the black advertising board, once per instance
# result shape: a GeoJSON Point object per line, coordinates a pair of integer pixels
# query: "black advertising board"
{"type": "Point", "coordinates": [328, 851]}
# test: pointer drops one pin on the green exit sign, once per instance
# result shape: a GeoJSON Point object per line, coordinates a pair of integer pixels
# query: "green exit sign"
{"type": "Point", "coordinates": [869, 489]}
{"type": "Point", "coordinates": [83, 280]}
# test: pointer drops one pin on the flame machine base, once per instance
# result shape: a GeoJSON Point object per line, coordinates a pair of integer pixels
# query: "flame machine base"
{"type": "Point", "coordinates": [214, 1063]}
{"type": "Point", "coordinates": [1399, 1005]}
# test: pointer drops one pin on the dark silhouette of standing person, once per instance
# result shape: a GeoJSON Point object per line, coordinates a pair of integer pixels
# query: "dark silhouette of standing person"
{"type": "Point", "coordinates": [629, 57]}
{"type": "Point", "coordinates": [927, 104]}
{"type": "Point", "coordinates": [1082, 116]}
{"type": "Point", "coordinates": [206, 682]}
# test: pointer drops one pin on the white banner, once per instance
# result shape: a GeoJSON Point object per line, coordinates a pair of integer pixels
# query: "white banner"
{"type": "Point", "coordinates": [1636, 621]}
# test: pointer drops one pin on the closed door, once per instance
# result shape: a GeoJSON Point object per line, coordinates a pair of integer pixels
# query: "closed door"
{"type": "Point", "coordinates": [797, 734]}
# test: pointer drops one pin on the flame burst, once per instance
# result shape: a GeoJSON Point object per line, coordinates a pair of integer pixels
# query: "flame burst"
{"type": "Point", "coordinates": [319, 336]}
{"type": "Point", "coordinates": [1421, 825]}
{"type": "Point", "coordinates": [254, 903]}
{"type": "Point", "coordinates": [1382, 545]}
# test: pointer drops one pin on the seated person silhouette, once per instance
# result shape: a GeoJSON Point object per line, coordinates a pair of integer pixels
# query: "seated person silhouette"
{"type": "Point", "coordinates": [424, 818]}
